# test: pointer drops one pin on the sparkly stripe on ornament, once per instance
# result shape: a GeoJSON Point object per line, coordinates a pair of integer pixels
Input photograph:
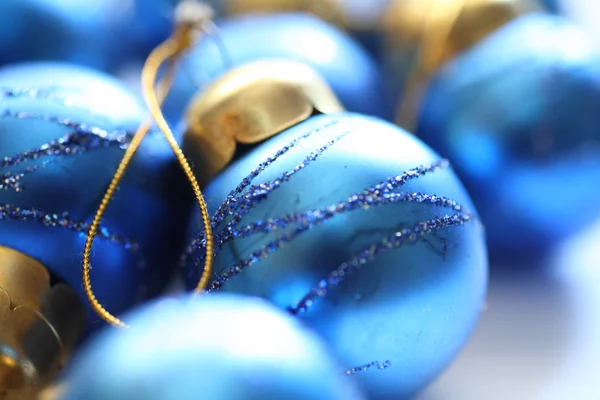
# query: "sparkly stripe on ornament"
{"type": "Point", "coordinates": [239, 203]}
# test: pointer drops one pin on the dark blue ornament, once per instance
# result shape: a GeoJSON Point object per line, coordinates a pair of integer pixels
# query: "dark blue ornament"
{"type": "Point", "coordinates": [346, 67]}
{"type": "Point", "coordinates": [214, 347]}
{"type": "Point", "coordinates": [63, 131]}
{"type": "Point", "coordinates": [519, 117]}
{"type": "Point", "coordinates": [362, 232]}
{"type": "Point", "coordinates": [99, 34]}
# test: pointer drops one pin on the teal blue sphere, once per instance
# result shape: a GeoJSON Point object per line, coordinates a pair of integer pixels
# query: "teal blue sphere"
{"type": "Point", "coordinates": [362, 232]}
{"type": "Point", "coordinates": [213, 347]}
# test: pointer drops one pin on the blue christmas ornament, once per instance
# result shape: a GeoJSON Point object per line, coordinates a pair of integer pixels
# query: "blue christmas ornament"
{"type": "Point", "coordinates": [100, 34]}
{"type": "Point", "coordinates": [346, 67]}
{"type": "Point", "coordinates": [519, 118]}
{"type": "Point", "coordinates": [347, 222]}
{"type": "Point", "coordinates": [214, 347]}
{"type": "Point", "coordinates": [63, 130]}
{"type": "Point", "coordinates": [360, 18]}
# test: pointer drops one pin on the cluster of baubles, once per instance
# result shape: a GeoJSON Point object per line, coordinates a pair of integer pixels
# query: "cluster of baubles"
{"type": "Point", "coordinates": [332, 170]}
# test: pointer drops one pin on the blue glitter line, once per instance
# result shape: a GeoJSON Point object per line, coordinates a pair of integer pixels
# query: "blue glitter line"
{"type": "Point", "coordinates": [238, 207]}
{"type": "Point", "coordinates": [66, 122]}
{"type": "Point", "coordinates": [64, 220]}
{"type": "Point", "coordinates": [316, 217]}
{"type": "Point", "coordinates": [14, 181]}
{"type": "Point", "coordinates": [256, 194]}
{"type": "Point", "coordinates": [374, 364]}
{"type": "Point", "coordinates": [379, 194]}
{"type": "Point", "coordinates": [368, 254]}
{"type": "Point", "coordinates": [46, 93]}
{"type": "Point", "coordinates": [227, 208]}
{"type": "Point", "coordinates": [323, 215]}
{"type": "Point", "coordinates": [376, 195]}
{"type": "Point", "coordinates": [235, 208]}
{"type": "Point", "coordinates": [84, 138]}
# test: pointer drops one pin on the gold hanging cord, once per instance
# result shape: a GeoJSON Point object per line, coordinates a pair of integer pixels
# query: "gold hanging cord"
{"type": "Point", "coordinates": [191, 16]}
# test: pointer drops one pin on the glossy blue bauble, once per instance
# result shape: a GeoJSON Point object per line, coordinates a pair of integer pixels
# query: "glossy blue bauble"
{"type": "Point", "coordinates": [346, 67]}
{"type": "Point", "coordinates": [63, 130]}
{"type": "Point", "coordinates": [360, 230]}
{"type": "Point", "coordinates": [99, 34]}
{"type": "Point", "coordinates": [519, 118]}
{"type": "Point", "coordinates": [214, 347]}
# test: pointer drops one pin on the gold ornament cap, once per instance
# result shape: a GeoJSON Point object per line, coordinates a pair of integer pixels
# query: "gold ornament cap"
{"type": "Point", "coordinates": [248, 105]}
{"type": "Point", "coordinates": [39, 324]}
{"type": "Point", "coordinates": [446, 27]}
{"type": "Point", "coordinates": [422, 35]}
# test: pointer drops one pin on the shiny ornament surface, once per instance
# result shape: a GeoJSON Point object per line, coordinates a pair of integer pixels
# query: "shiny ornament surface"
{"type": "Point", "coordinates": [63, 130]}
{"type": "Point", "coordinates": [518, 117]}
{"type": "Point", "coordinates": [347, 68]}
{"type": "Point", "coordinates": [211, 347]}
{"type": "Point", "coordinates": [363, 233]}
{"type": "Point", "coordinates": [100, 34]}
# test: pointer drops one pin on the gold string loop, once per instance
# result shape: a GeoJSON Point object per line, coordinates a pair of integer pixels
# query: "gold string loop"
{"type": "Point", "coordinates": [190, 16]}
{"type": "Point", "coordinates": [211, 30]}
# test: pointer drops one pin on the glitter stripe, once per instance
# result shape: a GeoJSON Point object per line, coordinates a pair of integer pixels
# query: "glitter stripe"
{"type": "Point", "coordinates": [376, 195]}
{"type": "Point", "coordinates": [256, 194]}
{"type": "Point", "coordinates": [10, 181]}
{"type": "Point", "coordinates": [64, 220]}
{"type": "Point", "coordinates": [230, 205]}
{"type": "Point", "coordinates": [83, 138]}
{"type": "Point", "coordinates": [246, 197]}
{"type": "Point", "coordinates": [379, 194]}
{"type": "Point", "coordinates": [46, 93]}
{"type": "Point", "coordinates": [374, 364]}
{"type": "Point", "coordinates": [368, 254]}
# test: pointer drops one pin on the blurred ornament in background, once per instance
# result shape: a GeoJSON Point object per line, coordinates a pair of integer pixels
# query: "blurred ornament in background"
{"type": "Point", "coordinates": [101, 34]}
{"type": "Point", "coordinates": [212, 347]}
{"type": "Point", "coordinates": [360, 18]}
{"type": "Point", "coordinates": [63, 130]}
{"type": "Point", "coordinates": [344, 220]}
{"type": "Point", "coordinates": [346, 67]}
{"type": "Point", "coordinates": [422, 35]}
{"type": "Point", "coordinates": [519, 118]}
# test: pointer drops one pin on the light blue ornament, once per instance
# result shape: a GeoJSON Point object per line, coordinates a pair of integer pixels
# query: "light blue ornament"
{"type": "Point", "coordinates": [100, 34]}
{"type": "Point", "coordinates": [63, 131]}
{"type": "Point", "coordinates": [363, 233]}
{"type": "Point", "coordinates": [214, 347]}
{"type": "Point", "coordinates": [519, 117]}
{"type": "Point", "coordinates": [347, 68]}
